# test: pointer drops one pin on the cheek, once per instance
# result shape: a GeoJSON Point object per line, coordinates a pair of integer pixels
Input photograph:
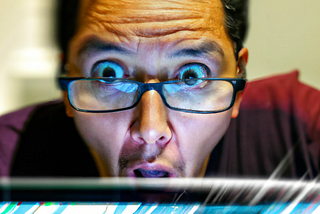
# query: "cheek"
{"type": "Point", "coordinates": [198, 135]}
{"type": "Point", "coordinates": [104, 133]}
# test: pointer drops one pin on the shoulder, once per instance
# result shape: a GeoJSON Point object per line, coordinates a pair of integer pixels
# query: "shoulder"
{"type": "Point", "coordinates": [13, 125]}
{"type": "Point", "coordinates": [287, 94]}
{"type": "Point", "coordinates": [17, 120]}
{"type": "Point", "coordinates": [278, 91]}
{"type": "Point", "coordinates": [51, 146]}
{"type": "Point", "coordinates": [278, 116]}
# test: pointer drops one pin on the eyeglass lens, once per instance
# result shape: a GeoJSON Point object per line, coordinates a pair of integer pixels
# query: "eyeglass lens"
{"type": "Point", "coordinates": [200, 95]}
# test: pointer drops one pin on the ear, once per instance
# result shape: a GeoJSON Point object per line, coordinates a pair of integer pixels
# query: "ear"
{"type": "Point", "coordinates": [236, 105]}
{"type": "Point", "coordinates": [244, 54]}
{"type": "Point", "coordinates": [242, 63]}
{"type": "Point", "coordinates": [69, 109]}
{"type": "Point", "coordinates": [241, 72]}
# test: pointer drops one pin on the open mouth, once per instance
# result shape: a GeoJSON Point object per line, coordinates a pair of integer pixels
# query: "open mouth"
{"type": "Point", "coordinates": [143, 173]}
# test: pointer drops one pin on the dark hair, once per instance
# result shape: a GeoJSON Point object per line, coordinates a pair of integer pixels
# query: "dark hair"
{"type": "Point", "coordinates": [236, 22]}
{"type": "Point", "coordinates": [66, 23]}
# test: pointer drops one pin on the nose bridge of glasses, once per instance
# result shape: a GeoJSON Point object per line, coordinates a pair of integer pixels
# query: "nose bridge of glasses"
{"type": "Point", "coordinates": [150, 86]}
{"type": "Point", "coordinates": [145, 87]}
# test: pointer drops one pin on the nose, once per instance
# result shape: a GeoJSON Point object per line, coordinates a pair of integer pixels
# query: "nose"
{"type": "Point", "coordinates": [151, 125]}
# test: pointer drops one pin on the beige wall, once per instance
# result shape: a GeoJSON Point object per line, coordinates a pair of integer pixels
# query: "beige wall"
{"type": "Point", "coordinates": [284, 35]}
{"type": "Point", "coordinates": [28, 56]}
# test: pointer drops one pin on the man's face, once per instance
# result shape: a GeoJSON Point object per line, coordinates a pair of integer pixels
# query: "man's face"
{"type": "Point", "coordinates": [151, 41]}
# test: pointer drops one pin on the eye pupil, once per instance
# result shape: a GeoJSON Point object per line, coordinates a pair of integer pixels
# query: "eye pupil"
{"type": "Point", "coordinates": [190, 81]}
{"type": "Point", "coordinates": [189, 74]}
{"type": "Point", "coordinates": [109, 72]}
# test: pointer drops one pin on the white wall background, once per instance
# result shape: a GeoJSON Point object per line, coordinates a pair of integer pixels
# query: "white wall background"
{"type": "Point", "coordinates": [28, 56]}
{"type": "Point", "coordinates": [284, 35]}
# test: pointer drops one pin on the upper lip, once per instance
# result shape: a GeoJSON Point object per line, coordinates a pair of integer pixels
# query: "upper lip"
{"type": "Point", "coordinates": [170, 172]}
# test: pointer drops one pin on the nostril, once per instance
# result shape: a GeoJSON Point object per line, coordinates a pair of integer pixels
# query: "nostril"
{"type": "Point", "coordinates": [162, 141]}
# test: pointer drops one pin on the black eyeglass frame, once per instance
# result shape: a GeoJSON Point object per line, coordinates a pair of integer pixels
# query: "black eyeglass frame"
{"type": "Point", "coordinates": [237, 84]}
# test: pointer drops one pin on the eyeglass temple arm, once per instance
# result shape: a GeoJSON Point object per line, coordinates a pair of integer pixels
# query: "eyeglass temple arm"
{"type": "Point", "coordinates": [65, 81]}
{"type": "Point", "coordinates": [239, 85]}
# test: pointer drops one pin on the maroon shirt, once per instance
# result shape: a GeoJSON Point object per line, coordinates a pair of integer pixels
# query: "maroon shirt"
{"type": "Point", "coordinates": [277, 133]}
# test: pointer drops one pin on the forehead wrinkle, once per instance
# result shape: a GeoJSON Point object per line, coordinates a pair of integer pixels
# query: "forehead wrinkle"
{"type": "Point", "coordinates": [143, 16]}
{"type": "Point", "coordinates": [117, 10]}
{"type": "Point", "coordinates": [152, 18]}
{"type": "Point", "coordinates": [149, 30]}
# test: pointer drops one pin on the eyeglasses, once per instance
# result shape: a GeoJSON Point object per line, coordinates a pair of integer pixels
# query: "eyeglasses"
{"type": "Point", "coordinates": [101, 95]}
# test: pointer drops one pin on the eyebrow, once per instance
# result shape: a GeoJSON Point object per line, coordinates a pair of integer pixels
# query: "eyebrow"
{"type": "Point", "coordinates": [94, 45]}
{"type": "Point", "coordinates": [203, 49]}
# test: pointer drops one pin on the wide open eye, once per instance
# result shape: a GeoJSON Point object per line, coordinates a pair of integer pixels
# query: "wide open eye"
{"type": "Point", "coordinates": [193, 71]}
{"type": "Point", "coordinates": [107, 69]}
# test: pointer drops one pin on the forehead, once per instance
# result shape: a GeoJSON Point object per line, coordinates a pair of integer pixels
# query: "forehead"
{"type": "Point", "coordinates": [152, 18]}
